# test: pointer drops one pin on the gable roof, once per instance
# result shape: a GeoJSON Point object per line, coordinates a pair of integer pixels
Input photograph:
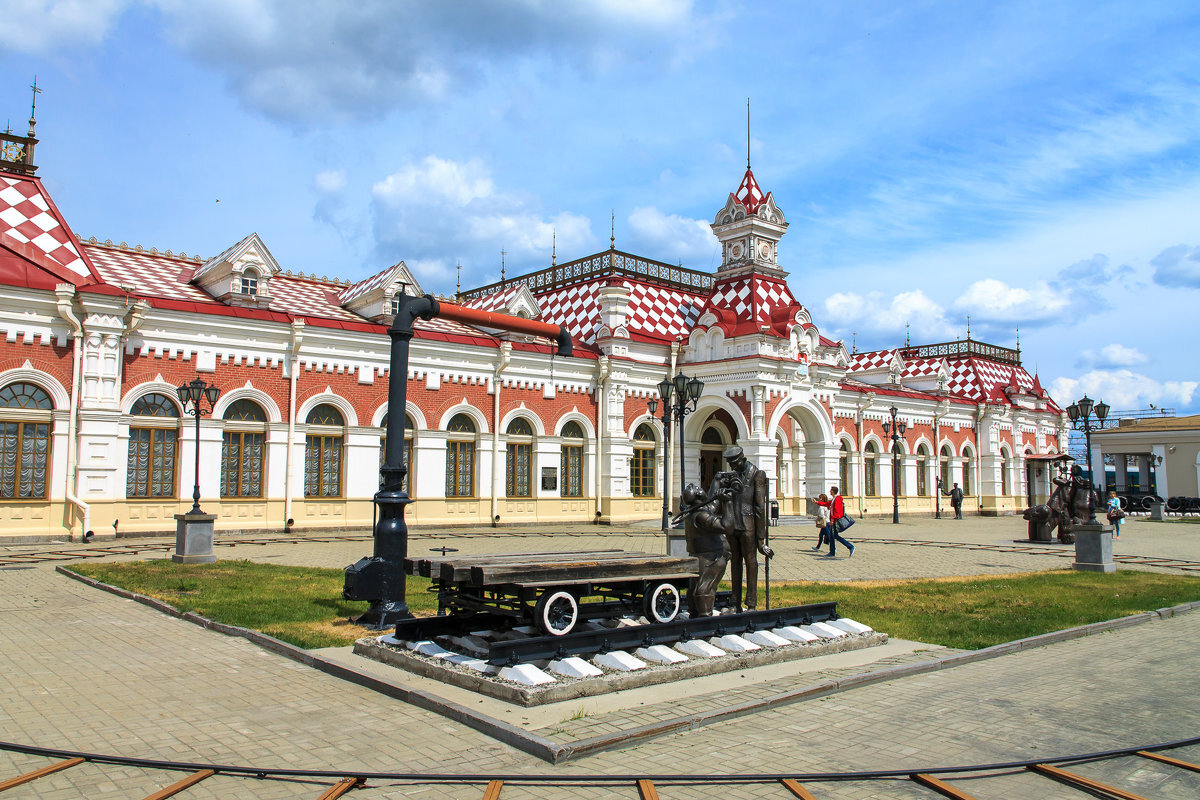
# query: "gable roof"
{"type": "Point", "coordinates": [31, 226]}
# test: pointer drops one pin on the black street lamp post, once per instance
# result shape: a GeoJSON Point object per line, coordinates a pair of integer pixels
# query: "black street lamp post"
{"type": "Point", "coordinates": [652, 405]}
{"type": "Point", "coordinates": [895, 430]}
{"type": "Point", "coordinates": [686, 392]}
{"type": "Point", "coordinates": [192, 393]}
{"type": "Point", "coordinates": [1080, 413]}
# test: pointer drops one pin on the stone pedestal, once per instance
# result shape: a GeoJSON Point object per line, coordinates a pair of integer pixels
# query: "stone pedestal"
{"type": "Point", "coordinates": [194, 539]}
{"type": "Point", "coordinates": [676, 542]}
{"type": "Point", "coordinates": [1093, 548]}
{"type": "Point", "coordinates": [1156, 510]}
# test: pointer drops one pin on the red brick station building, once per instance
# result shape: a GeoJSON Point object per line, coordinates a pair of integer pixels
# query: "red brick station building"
{"type": "Point", "coordinates": [95, 338]}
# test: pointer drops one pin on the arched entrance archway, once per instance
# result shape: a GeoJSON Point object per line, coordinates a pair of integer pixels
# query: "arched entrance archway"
{"type": "Point", "coordinates": [806, 457]}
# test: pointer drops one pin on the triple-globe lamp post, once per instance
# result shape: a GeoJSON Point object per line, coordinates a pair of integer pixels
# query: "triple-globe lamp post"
{"type": "Point", "coordinates": [191, 393]}
{"type": "Point", "coordinates": [679, 398]}
{"type": "Point", "coordinates": [895, 431]}
{"type": "Point", "coordinates": [1080, 413]}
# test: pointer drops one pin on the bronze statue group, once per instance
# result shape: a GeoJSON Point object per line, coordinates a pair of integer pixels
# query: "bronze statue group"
{"type": "Point", "coordinates": [728, 526]}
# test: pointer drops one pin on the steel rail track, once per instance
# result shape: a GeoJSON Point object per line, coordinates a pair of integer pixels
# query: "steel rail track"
{"type": "Point", "coordinates": [646, 785]}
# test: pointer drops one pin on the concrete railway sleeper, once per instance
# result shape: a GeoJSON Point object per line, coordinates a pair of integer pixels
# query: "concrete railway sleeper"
{"type": "Point", "coordinates": [330, 784]}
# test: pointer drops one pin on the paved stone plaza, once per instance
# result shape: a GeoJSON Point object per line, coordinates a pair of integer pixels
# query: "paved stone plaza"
{"type": "Point", "coordinates": [84, 670]}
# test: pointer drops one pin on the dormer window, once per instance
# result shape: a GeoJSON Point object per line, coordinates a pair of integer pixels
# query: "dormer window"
{"type": "Point", "coordinates": [394, 305]}
{"type": "Point", "coordinates": [250, 283]}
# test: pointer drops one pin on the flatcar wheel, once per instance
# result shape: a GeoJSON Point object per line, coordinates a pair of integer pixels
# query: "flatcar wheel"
{"type": "Point", "coordinates": [557, 613]}
{"type": "Point", "coordinates": [662, 603]}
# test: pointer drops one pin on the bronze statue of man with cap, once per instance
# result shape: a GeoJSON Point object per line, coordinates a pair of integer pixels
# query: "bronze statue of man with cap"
{"type": "Point", "coordinates": [744, 498]}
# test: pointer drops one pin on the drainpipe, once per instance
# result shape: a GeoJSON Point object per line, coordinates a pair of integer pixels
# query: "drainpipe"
{"type": "Point", "coordinates": [294, 354]}
{"type": "Point", "coordinates": [980, 411]}
{"type": "Point", "coordinates": [601, 409]}
{"type": "Point", "coordinates": [669, 464]}
{"type": "Point", "coordinates": [505, 356]}
{"type": "Point", "coordinates": [65, 292]}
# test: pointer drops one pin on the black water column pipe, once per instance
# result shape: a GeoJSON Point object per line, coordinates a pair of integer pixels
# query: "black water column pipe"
{"type": "Point", "coordinates": [381, 578]}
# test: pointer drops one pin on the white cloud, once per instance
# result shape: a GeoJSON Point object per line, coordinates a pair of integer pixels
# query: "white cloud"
{"type": "Point", "coordinates": [330, 181]}
{"type": "Point", "coordinates": [436, 211]}
{"type": "Point", "coordinates": [671, 237]}
{"type": "Point", "coordinates": [40, 26]}
{"type": "Point", "coordinates": [1115, 355]}
{"type": "Point", "coordinates": [1178, 267]}
{"type": "Point", "coordinates": [1124, 389]}
{"type": "Point", "coordinates": [882, 315]}
{"type": "Point", "coordinates": [992, 300]}
{"type": "Point", "coordinates": [312, 60]}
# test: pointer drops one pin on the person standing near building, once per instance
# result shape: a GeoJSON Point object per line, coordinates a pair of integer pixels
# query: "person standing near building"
{"type": "Point", "coordinates": [1115, 514]}
{"type": "Point", "coordinates": [956, 498]}
{"type": "Point", "coordinates": [822, 519]}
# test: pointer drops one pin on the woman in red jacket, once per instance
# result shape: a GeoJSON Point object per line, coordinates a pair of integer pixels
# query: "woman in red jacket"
{"type": "Point", "coordinates": [837, 510]}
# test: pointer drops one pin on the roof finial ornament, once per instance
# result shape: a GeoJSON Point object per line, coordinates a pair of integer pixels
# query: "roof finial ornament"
{"type": "Point", "coordinates": [1018, 341]}
{"type": "Point", "coordinates": [968, 327]}
{"type": "Point", "coordinates": [612, 230]}
{"type": "Point", "coordinates": [907, 343]}
{"type": "Point", "coordinates": [854, 342]}
{"type": "Point", "coordinates": [502, 254]}
{"type": "Point", "coordinates": [33, 108]}
{"type": "Point", "coordinates": [458, 283]}
{"type": "Point", "coordinates": [747, 133]}
{"type": "Point", "coordinates": [553, 248]}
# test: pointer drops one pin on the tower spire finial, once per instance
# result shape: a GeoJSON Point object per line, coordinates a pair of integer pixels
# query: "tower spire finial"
{"type": "Point", "coordinates": [612, 230]}
{"type": "Point", "coordinates": [907, 343]}
{"type": "Point", "coordinates": [502, 254]}
{"type": "Point", "coordinates": [854, 342]}
{"type": "Point", "coordinates": [553, 248]}
{"type": "Point", "coordinates": [747, 133]}
{"type": "Point", "coordinates": [458, 283]}
{"type": "Point", "coordinates": [968, 327]}
{"type": "Point", "coordinates": [33, 107]}
{"type": "Point", "coordinates": [1018, 341]}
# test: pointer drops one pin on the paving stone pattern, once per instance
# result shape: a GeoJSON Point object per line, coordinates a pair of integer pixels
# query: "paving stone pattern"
{"type": "Point", "coordinates": [83, 669]}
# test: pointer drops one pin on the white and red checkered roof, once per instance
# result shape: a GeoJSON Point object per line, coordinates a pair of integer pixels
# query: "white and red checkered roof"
{"type": "Point", "coordinates": [971, 377]}
{"type": "Point", "coordinates": [753, 301]}
{"type": "Point", "coordinates": [749, 194]}
{"type": "Point", "coordinates": [496, 300]}
{"type": "Point", "coordinates": [30, 219]}
{"type": "Point", "coordinates": [395, 273]}
{"type": "Point", "coordinates": [655, 311]}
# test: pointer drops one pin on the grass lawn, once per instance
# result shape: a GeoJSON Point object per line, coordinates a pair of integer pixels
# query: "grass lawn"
{"type": "Point", "coordinates": [304, 605]}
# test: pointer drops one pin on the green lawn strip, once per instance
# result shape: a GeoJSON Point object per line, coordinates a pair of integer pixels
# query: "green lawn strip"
{"type": "Point", "coordinates": [981, 611]}
{"type": "Point", "coordinates": [304, 605]}
{"type": "Point", "coordinates": [300, 605]}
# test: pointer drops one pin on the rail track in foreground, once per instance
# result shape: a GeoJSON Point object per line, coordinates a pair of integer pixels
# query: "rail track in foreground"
{"type": "Point", "coordinates": [328, 784]}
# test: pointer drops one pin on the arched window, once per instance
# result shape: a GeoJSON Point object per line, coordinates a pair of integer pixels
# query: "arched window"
{"type": "Point", "coordinates": [922, 471]}
{"type": "Point", "coordinates": [242, 449]}
{"type": "Point", "coordinates": [153, 440]}
{"type": "Point", "coordinates": [870, 470]}
{"type": "Point", "coordinates": [944, 467]}
{"type": "Point", "coordinates": [641, 466]}
{"type": "Point", "coordinates": [250, 282]}
{"type": "Point", "coordinates": [24, 441]}
{"type": "Point", "coordinates": [460, 457]}
{"type": "Point", "coordinates": [518, 458]}
{"type": "Point", "coordinates": [968, 470]}
{"type": "Point", "coordinates": [844, 468]}
{"type": "Point", "coordinates": [571, 461]}
{"type": "Point", "coordinates": [323, 452]}
{"type": "Point", "coordinates": [405, 455]}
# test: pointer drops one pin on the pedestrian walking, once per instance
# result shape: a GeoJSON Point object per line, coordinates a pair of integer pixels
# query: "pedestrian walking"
{"type": "Point", "coordinates": [1115, 514]}
{"type": "Point", "coordinates": [837, 519]}
{"type": "Point", "coordinates": [956, 498]}
{"type": "Point", "coordinates": [822, 520]}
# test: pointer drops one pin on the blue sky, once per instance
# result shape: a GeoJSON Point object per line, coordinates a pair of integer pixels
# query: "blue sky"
{"type": "Point", "coordinates": [1029, 164]}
